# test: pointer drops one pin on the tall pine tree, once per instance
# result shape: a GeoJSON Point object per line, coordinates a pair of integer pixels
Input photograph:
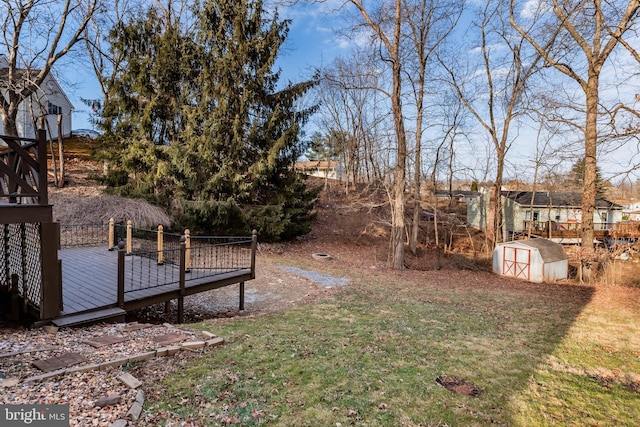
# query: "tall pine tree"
{"type": "Point", "coordinates": [226, 134]}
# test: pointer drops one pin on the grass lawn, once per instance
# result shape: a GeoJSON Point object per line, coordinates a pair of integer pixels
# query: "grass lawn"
{"type": "Point", "coordinates": [369, 355]}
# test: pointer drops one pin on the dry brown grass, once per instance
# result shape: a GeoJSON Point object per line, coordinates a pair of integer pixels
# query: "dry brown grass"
{"type": "Point", "coordinates": [70, 208]}
{"type": "Point", "coordinates": [81, 200]}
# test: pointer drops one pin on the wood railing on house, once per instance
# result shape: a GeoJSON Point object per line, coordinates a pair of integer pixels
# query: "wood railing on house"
{"type": "Point", "coordinates": [29, 269]}
{"type": "Point", "coordinates": [554, 229]}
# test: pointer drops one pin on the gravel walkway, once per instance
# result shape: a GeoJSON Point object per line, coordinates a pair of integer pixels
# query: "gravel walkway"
{"type": "Point", "coordinates": [73, 385]}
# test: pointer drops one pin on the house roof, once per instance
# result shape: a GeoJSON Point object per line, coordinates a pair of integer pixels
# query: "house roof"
{"type": "Point", "coordinates": [549, 251]}
{"type": "Point", "coordinates": [24, 75]}
{"type": "Point", "coordinates": [555, 199]}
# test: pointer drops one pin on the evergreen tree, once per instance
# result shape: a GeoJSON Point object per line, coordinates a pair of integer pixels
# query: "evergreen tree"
{"type": "Point", "coordinates": [322, 148]}
{"type": "Point", "coordinates": [207, 105]}
{"type": "Point", "coordinates": [576, 178]}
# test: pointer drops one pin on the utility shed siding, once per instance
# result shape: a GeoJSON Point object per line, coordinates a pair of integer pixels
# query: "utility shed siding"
{"type": "Point", "coordinates": [536, 260]}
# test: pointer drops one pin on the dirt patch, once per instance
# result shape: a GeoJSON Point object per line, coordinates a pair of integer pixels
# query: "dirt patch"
{"type": "Point", "coordinates": [459, 386]}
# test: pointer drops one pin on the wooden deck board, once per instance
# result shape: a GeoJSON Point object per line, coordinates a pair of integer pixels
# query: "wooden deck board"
{"type": "Point", "coordinates": [90, 280]}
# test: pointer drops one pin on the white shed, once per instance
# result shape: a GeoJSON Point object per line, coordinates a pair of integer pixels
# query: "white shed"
{"type": "Point", "coordinates": [536, 260]}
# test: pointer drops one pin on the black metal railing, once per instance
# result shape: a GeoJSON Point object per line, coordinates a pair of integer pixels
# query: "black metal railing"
{"type": "Point", "coordinates": [89, 234]}
{"type": "Point", "coordinates": [141, 270]}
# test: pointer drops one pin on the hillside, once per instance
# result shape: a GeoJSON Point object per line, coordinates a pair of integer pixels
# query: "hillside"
{"type": "Point", "coordinates": [352, 227]}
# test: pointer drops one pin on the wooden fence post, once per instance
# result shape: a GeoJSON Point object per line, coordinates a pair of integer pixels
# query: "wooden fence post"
{"type": "Point", "coordinates": [121, 254]}
{"type": "Point", "coordinates": [187, 242]}
{"type": "Point", "coordinates": [160, 245]}
{"type": "Point", "coordinates": [183, 250]}
{"type": "Point", "coordinates": [129, 244]}
{"type": "Point", "coordinates": [112, 234]}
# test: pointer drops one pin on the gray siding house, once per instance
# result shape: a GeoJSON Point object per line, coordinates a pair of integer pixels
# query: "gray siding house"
{"type": "Point", "coordinates": [561, 211]}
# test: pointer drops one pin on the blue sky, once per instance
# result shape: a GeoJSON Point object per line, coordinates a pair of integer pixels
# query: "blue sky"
{"type": "Point", "coordinates": [314, 42]}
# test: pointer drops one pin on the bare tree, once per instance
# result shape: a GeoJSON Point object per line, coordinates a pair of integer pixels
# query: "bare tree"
{"type": "Point", "coordinates": [494, 93]}
{"type": "Point", "coordinates": [351, 116]}
{"type": "Point", "coordinates": [429, 24]}
{"type": "Point", "coordinates": [385, 21]}
{"type": "Point", "coordinates": [35, 35]}
{"type": "Point", "coordinates": [576, 38]}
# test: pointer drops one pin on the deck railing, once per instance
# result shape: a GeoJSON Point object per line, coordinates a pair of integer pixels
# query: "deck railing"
{"type": "Point", "coordinates": [207, 260]}
{"type": "Point", "coordinates": [29, 261]}
{"type": "Point", "coordinates": [89, 234]}
{"type": "Point", "coordinates": [211, 256]}
{"type": "Point", "coordinates": [23, 169]}
{"type": "Point", "coordinates": [553, 228]}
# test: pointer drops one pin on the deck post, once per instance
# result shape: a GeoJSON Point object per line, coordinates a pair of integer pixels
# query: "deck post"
{"type": "Point", "coordinates": [121, 254]}
{"type": "Point", "coordinates": [129, 244]}
{"type": "Point", "coordinates": [187, 242]}
{"type": "Point", "coordinates": [61, 307]}
{"type": "Point", "coordinates": [183, 250]}
{"type": "Point", "coordinates": [43, 198]}
{"type": "Point", "coordinates": [160, 245]}
{"type": "Point", "coordinates": [112, 234]}
{"type": "Point", "coordinates": [241, 296]}
{"type": "Point", "coordinates": [254, 245]}
{"type": "Point", "coordinates": [51, 282]}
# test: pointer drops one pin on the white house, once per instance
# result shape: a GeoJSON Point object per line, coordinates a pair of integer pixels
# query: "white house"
{"type": "Point", "coordinates": [631, 211]}
{"type": "Point", "coordinates": [48, 102]}
{"type": "Point", "coordinates": [321, 168]}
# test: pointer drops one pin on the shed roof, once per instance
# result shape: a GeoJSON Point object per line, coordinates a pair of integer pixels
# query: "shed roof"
{"type": "Point", "coordinates": [549, 251]}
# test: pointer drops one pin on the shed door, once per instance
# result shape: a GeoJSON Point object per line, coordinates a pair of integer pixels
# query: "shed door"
{"type": "Point", "coordinates": [516, 262]}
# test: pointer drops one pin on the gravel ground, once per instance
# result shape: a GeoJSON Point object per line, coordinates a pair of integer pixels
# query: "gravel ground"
{"type": "Point", "coordinates": [79, 390]}
{"type": "Point", "coordinates": [275, 288]}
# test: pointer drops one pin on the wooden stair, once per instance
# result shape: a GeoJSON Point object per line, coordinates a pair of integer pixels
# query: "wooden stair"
{"type": "Point", "coordinates": [113, 314]}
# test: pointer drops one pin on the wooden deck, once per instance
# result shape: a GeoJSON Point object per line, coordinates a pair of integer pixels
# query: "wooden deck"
{"type": "Point", "coordinates": [90, 281]}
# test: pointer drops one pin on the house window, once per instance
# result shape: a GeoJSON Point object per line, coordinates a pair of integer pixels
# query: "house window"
{"type": "Point", "coordinates": [536, 215]}
{"type": "Point", "coordinates": [53, 109]}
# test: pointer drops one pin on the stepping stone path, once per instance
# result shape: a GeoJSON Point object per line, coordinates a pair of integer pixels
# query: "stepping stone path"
{"type": "Point", "coordinates": [105, 340]}
{"type": "Point", "coordinates": [181, 340]}
{"type": "Point", "coordinates": [63, 361]}
{"type": "Point", "coordinates": [170, 338]}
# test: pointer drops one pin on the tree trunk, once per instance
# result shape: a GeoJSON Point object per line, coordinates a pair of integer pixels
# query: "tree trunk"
{"type": "Point", "coordinates": [589, 181]}
{"type": "Point", "coordinates": [397, 227]}
{"type": "Point", "coordinates": [497, 202]}
{"type": "Point", "coordinates": [60, 152]}
{"type": "Point", "coordinates": [10, 125]}
{"type": "Point", "coordinates": [417, 206]}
